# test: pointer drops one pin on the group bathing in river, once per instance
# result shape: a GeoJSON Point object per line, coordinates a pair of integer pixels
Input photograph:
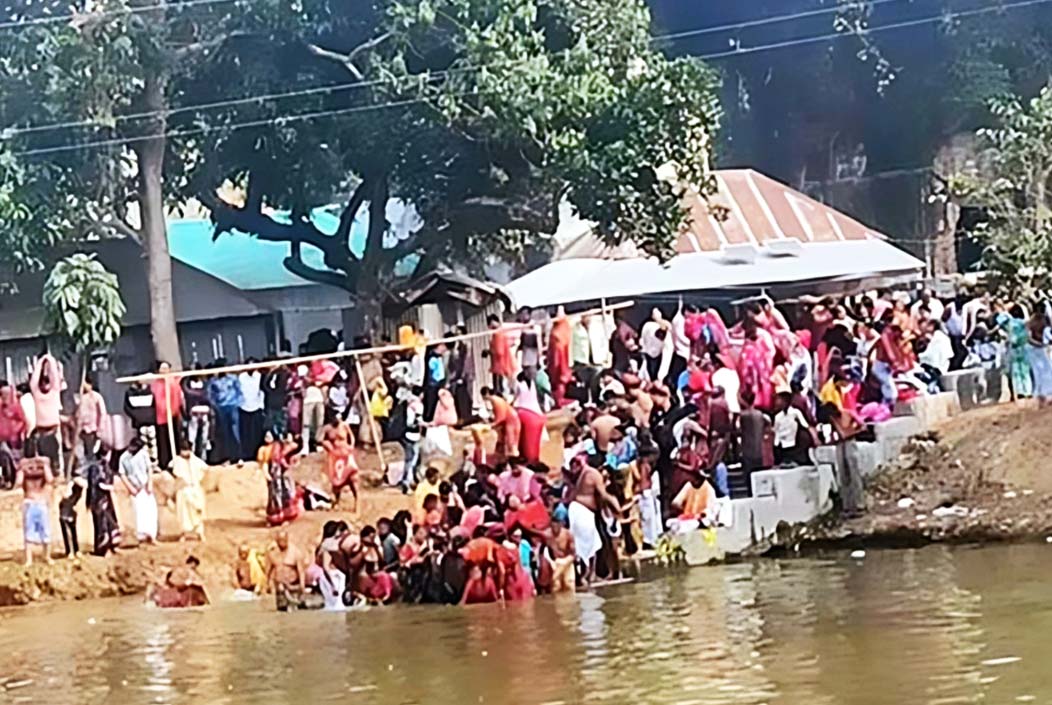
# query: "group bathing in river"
{"type": "Point", "coordinates": [663, 417]}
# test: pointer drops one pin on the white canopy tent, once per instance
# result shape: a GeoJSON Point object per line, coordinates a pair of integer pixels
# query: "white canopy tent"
{"type": "Point", "coordinates": [588, 279]}
{"type": "Point", "coordinates": [752, 233]}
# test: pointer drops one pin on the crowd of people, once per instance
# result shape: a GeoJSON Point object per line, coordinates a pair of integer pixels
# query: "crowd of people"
{"type": "Point", "coordinates": [661, 423]}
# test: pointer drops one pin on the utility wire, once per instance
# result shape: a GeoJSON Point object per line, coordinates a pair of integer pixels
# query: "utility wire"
{"type": "Point", "coordinates": [746, 24]}
{"type": "Point", "coordinates": [946, 17]}
{"type": "Point", "coordinates": [219, 128]}
{"type": "Point", "coordinates": [378, 106]}
{"type": "Point", "coordinates": [14, 131]}
{"type": "Point", "coordinates": [53, 19]}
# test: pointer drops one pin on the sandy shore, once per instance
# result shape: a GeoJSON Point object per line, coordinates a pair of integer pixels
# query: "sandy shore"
{"type": "Point", "coordinates": [236, 514]}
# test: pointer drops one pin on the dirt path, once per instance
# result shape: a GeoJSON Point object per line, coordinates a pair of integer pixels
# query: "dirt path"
{"type": "Point", "coordinates": [236, 514]}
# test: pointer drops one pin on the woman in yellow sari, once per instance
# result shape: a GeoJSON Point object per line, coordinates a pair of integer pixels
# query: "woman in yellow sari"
{"type": "Point", "coordinates": [189, 472]}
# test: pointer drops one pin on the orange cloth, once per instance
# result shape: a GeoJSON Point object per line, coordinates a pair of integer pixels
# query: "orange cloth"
{"type": "Point", "coordinates": [507, 425]}
{"type": "Point", "coordinates": [694, 501]}
{"type": "Point", "coordinates": [500, 354]}
{"type": "Point", "coordinates": [339, 455]}
{"type": "Point", "coordinates": [559, 371]}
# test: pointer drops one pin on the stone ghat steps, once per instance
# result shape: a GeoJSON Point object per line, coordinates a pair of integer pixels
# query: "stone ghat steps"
{"type": "Point", "coordinates": [797, 496]}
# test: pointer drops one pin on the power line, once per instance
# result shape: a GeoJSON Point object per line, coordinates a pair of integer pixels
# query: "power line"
{"type": "Point", "coordinates": [53, 19]}
{"type": "Point", "coordinates": [259, 123]}
{"type": "Point", "coordinates": [882, 28]}
{"type": "Point", "coordinates": [217, 128]}
{"type": "Point", "coordinates": [762, 21]}
{"type": "Point", "coordinates": [14, 131]}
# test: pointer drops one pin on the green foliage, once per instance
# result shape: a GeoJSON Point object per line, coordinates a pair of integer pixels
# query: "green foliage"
{"type": "Point", "coordinates": [483, 114]}
{"type": "Point", "coordinates": [83, 303]}
{"type": "Point", "coordinates": [1012, 181]}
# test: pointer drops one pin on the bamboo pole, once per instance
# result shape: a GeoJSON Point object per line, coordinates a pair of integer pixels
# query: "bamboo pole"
{"type": "Point", "coordinates": [172, 450]}
{"type": "Point", "coordinates": [303, 359]}
{"type": "Point", "coordinates": [374, 429]}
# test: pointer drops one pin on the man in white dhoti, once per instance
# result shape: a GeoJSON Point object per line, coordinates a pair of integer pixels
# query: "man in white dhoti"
{"type": "Point", "coordinates": [589, 496]}
{"type": "Point", "coordinates": [189, 472]}
{"type": "Point", "coordinates": [135, 473]}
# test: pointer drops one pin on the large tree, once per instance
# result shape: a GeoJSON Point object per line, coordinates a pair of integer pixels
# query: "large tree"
{"type": "Point", "coordinates": [86, 92]}
{"type": "Point", "coordinates": [481, 114]}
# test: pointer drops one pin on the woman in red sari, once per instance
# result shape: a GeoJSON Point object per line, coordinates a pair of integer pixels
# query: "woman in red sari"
{"type": "Point", "coordinates": [340, 463]}
{"type": "Point", "coordinates": [559, 371]}
{"type": "Point", "coordinates": [531, 419]}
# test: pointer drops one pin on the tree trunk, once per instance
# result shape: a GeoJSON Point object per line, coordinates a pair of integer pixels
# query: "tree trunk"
{"type": "Point", "coordinates": [944, 258]}
{"type": "Point", "coordinates": [150, 152]}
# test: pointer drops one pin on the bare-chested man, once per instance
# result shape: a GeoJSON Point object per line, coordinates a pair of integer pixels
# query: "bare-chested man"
{"type": "Point", "coordinates": [34, 474]}
{"type": "Point", "coordinates": [588, 498]}
{"type": "Point", "coordinates": [243, 579]}
{"type": "Point", "coordinates": [563, 556]}
{"type": "Point", "coordinates": [286, 572]}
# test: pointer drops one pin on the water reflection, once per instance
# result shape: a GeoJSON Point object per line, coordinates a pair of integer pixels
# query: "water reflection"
{"type": "Point", "coordinates": [931, 626]}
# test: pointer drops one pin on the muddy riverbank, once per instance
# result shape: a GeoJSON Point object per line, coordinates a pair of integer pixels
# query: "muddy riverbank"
{"type": "Point", "coordinates": [984, 476]}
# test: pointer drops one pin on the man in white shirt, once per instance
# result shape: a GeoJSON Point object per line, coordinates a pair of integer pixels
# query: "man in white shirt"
{"type": "Point", "coordinates": [680, 344]}
{"type": "Point", "coordinates": [251, 417]}
{"type": "Point", "coordinates": [787, 425]}
{"type": "Point", "coordinates": [652, 343]}
{"type": "Point", "coordinates": [727, 379]}
{"type": "Point", "coordinates": [939, 351]}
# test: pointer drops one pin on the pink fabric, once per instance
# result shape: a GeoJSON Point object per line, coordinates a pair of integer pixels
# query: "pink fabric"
{"type": "Point", "coordinates": [754, 369]}
{"type": "Point", "coordinates": [160, 399]}
{"type": "Point", "coordinates": [524, 486]}
{"type": "Point", "coordinates": [446, 409]}
{"type": "Point", "coordinates": [48, 403]}
{"type": "Point", "coordinates": [471, 519]}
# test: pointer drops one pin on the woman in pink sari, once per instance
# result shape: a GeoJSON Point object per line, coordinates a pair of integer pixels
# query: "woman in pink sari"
{"type": "Point", "coordinates": [754, 367]}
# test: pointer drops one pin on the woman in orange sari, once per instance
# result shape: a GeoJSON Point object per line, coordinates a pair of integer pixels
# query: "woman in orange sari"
{"type": "Point", "coordinates": [338, 442]}
{"type": "Point", "coordinates": [505, 423]}
{"type": "Point", "coordinates": [559, 371]}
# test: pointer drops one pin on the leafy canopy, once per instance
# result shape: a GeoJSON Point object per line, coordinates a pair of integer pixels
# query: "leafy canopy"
{"type": "Point", "coordinates": [482, 114]}
{"type": "Point", "coordinates": [1012, 182]}
{"type": "Point", "coordinates": [83, 304]}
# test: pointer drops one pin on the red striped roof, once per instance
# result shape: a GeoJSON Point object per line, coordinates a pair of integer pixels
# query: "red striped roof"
{"type": "Point", "coordinates": [752, 208]}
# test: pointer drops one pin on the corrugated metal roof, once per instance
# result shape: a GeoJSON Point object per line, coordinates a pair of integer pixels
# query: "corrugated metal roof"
{"type": "Point", "coordinates": [752, 208]}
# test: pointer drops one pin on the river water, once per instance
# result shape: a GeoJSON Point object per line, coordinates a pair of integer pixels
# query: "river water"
{"type": "Point", "coordinates": [936, 625]}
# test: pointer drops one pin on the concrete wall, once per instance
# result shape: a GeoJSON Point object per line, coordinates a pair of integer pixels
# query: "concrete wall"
{"type": "Point", "coordinates": [800, 495]}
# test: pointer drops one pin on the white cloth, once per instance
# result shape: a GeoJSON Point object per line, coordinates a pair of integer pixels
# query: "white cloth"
{"type": "Point", "coordinates": [650, 512]}
{"type": "Point", "coordinates": [29, 409]}
{"type": "Point", "coordinates": [938, 353]}
{"type": "Point", "coordinates": [145, 506]}
{"type": "Point", "coordinates": [332, 584]}
{"type": "Point", "coordinates": [786, 423]}
{"type": "Point", "coordinates": [680, 341]}
{"type": "Point", "coordinates": [728, 380]}
{"type": "Point", "coordinates": [251, 391]}
{"type": "Point", "coordinates": [313, 395]}
{"type": "Point", "coordinates": [587, 540]}
{"type": "Point", "coordinates": [649, 341]}
{"type": "Point", "coordinates": [599, 341]}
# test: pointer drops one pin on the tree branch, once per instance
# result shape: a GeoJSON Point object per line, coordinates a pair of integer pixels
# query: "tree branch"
{"type": "Point", "coordinates": [343, 232]}
{"type": "Point", "coordinates": [348, 59]}
{"type": "Point", "coordinates": [203, 47]}
{"type": "Point", "coordinates": [300, 231]}
{"type": "Point", "coordinates": [295, 264]}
